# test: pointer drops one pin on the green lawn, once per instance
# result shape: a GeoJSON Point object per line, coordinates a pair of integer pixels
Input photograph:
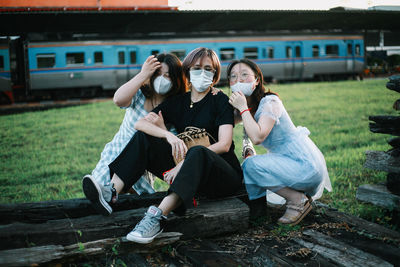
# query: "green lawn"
{"type": "Point", "coordinates": [45, 154]}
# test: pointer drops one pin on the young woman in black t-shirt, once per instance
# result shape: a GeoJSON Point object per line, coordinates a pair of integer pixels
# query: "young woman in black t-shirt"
{"type": "Point", "coordinates": [213, 171]}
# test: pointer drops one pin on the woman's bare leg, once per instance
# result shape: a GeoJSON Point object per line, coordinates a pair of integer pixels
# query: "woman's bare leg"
{"type": "Point", "coordinates": [118, 183]}
{"type": "Point", "coordinates": [290, 194]}
{"type": "Point", "coordinates": [169, 203]}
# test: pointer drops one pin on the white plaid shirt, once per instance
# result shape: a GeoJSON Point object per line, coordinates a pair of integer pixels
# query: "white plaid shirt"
{"type": "Point", "coordinates": [112, 149]}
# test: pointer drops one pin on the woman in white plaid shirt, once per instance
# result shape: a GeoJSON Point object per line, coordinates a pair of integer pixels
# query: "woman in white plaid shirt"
{"type": "Point", "coordinates": [159, 78]}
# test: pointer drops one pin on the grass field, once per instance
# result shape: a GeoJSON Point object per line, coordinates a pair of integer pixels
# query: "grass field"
{"type": "Point", "coordinates": [45, 154]}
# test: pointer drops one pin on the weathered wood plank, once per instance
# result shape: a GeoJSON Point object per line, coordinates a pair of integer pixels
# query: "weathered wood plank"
{"type": "Point", "coordinates": [341, 253]}
{"type": "Point", "coordinates": [205, 253]}
{"type": "Point", "coordinates": [385, 124]}
{"type": "Point", "coordinates": [378, 195]}
{"type": "Point", "coordinates": [358, 224]}
{"type": "Point", "coordinates": [382, 161]}
{"type": "Point", "coordinates": [53, 253]}
{"type": "Point", "coordinates": [394, 142]}
{"type": "Point", "coordinates": [396, 104]}
{"type": "Point", "coordinates": [39, 212]}
{"type": "Point", "coordinates": [393, 183]}
{"type": "Point", "coordinates": [394, 83]}
{"type": "Point", "coordinates": [205, 220]}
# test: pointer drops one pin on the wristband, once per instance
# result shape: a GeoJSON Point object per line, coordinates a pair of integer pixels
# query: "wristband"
{"type": "Point", "coordinates": [245, 111]}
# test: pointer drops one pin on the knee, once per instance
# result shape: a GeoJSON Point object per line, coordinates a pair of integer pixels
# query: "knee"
{"type": "Point", "coordinates": [196, 150]}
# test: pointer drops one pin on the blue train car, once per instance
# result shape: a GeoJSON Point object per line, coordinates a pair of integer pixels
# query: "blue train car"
{"type": "Point", "coordinates": [90, 66]}
{"type": "Point", "coordinates": [5, 74]}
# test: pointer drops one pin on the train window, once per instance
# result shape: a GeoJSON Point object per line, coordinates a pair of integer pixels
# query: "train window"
{"type": "Point", "coordinates": [98, 57]}
{"type": "Point", "coordinates": [250, 52]}
{"type": "Point", "coordinates": [121, 57]}
{"type": "Point", "coordinates": [227, 53]}
{"type": "Point", "coordinates": [1, 63]}
{"type": "Point", "coordinates": [332, 50]}
{"type": "Point", "coordinates": [349, 49]}
{"type": "Point", "coordinates": [179, 53]}
{"type": "Point", "coordinates": [297, 51]}
{"type": "Point", "coordinates": [45, 60]}
{"type": "Point", "coordinates": [132, 55]}
{"type": "Point", "coordinates": [270, 51]}
{"type": "Point", "coordinates": [358, 50]}
{"type": "Point", "coordinates": [289, 51]}
{"type": "Point", "coordinates": [315, 51]}
{"type": "Point", "coordinates": [155, 52]}
{"type": "Point", "coordinates": [75, 58]}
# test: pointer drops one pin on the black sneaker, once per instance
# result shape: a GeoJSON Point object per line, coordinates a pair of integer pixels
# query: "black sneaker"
{"type": "Point", "coordinates": [100, 196]}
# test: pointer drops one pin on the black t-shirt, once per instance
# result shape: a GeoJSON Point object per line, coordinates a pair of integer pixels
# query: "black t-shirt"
{"type": "Point", "coordinates": [209, 113]}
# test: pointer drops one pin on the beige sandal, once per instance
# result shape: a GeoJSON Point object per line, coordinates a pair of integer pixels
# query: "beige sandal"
{"type": "Point", "coordinates": [248, 149]}
{"type": "Point", "coordinates": [296, 212]}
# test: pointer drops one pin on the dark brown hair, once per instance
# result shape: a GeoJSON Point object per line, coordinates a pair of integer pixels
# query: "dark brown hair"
{"type": "Point", "coordinates": [259, 92]}
{"type": "Point", "coordinates": [175, 72]}
{"type": "Point", "coordinates": [201, 52]}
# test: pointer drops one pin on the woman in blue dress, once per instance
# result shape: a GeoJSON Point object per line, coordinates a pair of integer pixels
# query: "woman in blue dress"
{"type": "Point", "coordinates": [293, 168]}
{"type": "Point", "coordinates": [159, 78]}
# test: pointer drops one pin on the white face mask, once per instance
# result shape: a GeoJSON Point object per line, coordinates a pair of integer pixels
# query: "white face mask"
{"type": "Point", "coordinates": [162, 85]}
{"type": "Point", "coordinates": [245, 88]}
{"type": "Point", "coordinates": [201, 79]}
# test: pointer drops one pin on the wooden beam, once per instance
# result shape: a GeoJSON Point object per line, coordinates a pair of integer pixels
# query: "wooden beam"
{"type": "Point", "coordinates": [385, 124]}
{"type": "Point", "coordinates": [39, 212]}
{"type": "Point", "coordinates": [341, 253]}
{"type": "Point", "coordinates": [396, 105]}
{"type": "Point", "coordinates": [359, 224]}
{"type": "Point", "coordinates": [202, 221]}
{"type": "Point", "coordinates": [393, 183]}
{"type": "Point", "coordinates": [394, 83]}
{"type": "Point", "coordinates": [50, 253]}
{"type": "Point", "coordinates": [382, 161]}
{"type": "Point", "coordinates": [394, 142]}
{"type": "Point", "coordinates": [378, 195]}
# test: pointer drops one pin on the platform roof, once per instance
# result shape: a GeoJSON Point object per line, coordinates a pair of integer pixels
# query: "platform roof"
{"type": "Point", "coordinates": [144, 22]}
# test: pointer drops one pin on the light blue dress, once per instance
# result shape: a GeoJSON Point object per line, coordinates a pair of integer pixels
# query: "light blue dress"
{"type": "Point", "coordinates": [292, 160]}
{"type": "Point", "coordinates": [112, 149]}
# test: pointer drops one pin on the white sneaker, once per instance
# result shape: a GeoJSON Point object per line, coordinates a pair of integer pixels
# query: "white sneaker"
{"type": "Point", "coordinates": [148, 228]}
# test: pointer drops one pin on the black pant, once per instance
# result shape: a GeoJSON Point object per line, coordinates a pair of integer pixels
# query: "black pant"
{"type": "Point", "coordinates": [203, 171]}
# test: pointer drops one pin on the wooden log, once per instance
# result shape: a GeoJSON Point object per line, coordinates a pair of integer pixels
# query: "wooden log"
{"type": "Point", "coordinates": [378, 195]}
{"type": "Point", "coordinates": [206, 253]}
{"type": "Point", "coordinates": [394, 142]}
{"type": "Point", "coordinates": [205, 220]}
{"type": "Point", "coordinates": [341, 253]}
{"type": "Point", "coordinates": [382, 161]}
{"type": "Point", "coordinates": [393, 183]}
{"type": "Point", "coordinates": [385, 124]}
{"type": "Point", "coordinates": [358, 224]}
{"type": "Point", "coordinates": [394, 83]}
{"type": "Point", "coordinates": [39, 212]}
{"type": "Point", "coordinates": [396, 104]}
{"type": "Point", "coordinates": [56, 253]}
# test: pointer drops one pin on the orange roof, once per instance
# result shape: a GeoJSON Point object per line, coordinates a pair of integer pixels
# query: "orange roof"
{"type": "Point", "coordinates": [32, 5]}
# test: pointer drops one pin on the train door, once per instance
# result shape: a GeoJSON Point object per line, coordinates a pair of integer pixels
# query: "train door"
{"type": "Point", "coordinates": [294, 67]}
{"type": "Point", "coordinates": [122, 74]}
{"type": "Point", "coordinates": [350, 67]}
{"type": "Point", "coordinates": [19, 67]}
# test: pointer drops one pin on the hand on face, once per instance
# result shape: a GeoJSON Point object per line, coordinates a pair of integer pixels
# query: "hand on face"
{"type": "Point", "coordinates": [150, 66]}
{"type": "Point", "coordinates": [238, 101]}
